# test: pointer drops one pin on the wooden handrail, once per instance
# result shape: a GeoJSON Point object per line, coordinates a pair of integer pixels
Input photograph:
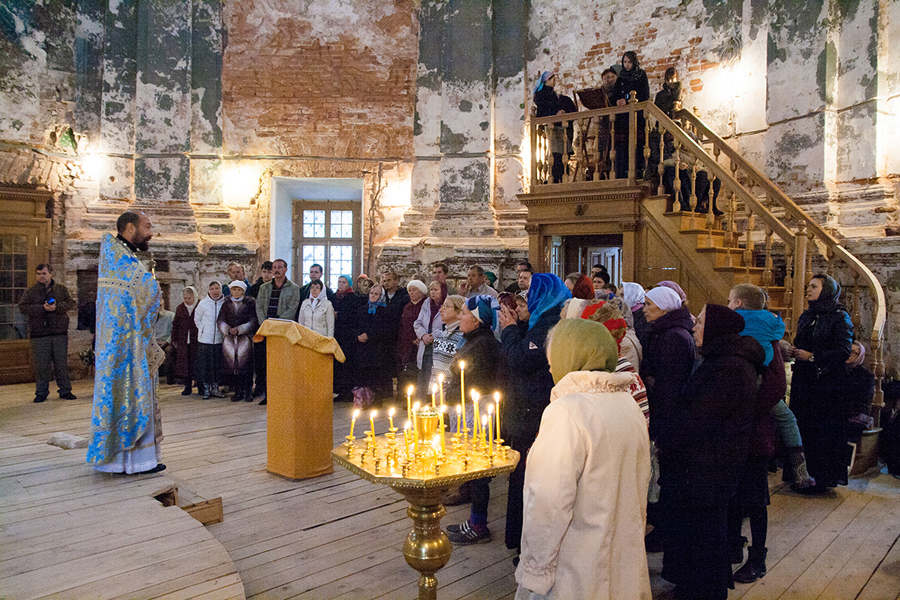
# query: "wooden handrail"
{"type": "Point", "coordinates": [791, 208]}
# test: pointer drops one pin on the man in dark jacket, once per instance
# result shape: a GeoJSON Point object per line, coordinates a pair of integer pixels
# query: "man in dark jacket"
{"type": "Point", "coordinates": [46, 305]}
{"type": "Point", "coordinates": [395, 298]}
{"type": "Point", "coordinates": [315, 274]}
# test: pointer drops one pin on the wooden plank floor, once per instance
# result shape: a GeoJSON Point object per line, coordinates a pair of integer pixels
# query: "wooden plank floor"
{"type": "Point", "coordinates": [335, 536]}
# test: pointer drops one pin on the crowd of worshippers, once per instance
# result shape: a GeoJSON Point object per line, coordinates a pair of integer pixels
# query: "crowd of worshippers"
{"type": "Point", "coordinates": [626, 408]}
{"type": "Point", "coordinates": [619, 81]}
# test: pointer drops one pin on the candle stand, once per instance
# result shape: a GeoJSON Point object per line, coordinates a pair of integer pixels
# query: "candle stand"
{"type": "Point", "coordinates": [424, 471]}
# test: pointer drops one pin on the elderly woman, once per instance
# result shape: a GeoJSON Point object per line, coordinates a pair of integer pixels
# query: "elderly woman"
{"type": "Point", "coordinates": [237, 322]}
{"type": "Point", "coordinates": [371, 380]}
{"type": "Point", "coordinates": [427, 324]}
{"type": "Point", "coordinates": [586, 479]}
{"type": "Point", "coordinates": [184, 338]}
{"type": "Point", "coordinates": [407, 340]}
{"type": "Point", "coordinates": [821, 347]}
{"type": "Point", "coordinates": [705, 447]}
{"type": "Point", "coordinates": [633, 296]}
{"type": "Point", "coordinates": [529, 382]}
{"type": "Point", "coordinates": [447, 340]}
{"type": "Point", "coordinates": [481, 352]}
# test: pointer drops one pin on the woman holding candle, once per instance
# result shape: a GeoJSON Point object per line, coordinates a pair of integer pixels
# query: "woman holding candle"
{"type": "Point", "coordinates": [528, 384]}
{"type": "Point", "coordinates": [586, 478]}
{"type": "Point", "coordinates": [481, 352]}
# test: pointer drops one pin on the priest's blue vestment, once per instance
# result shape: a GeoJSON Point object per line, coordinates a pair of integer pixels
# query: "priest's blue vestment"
{"type": "Point", "coordinates": [126, 429]}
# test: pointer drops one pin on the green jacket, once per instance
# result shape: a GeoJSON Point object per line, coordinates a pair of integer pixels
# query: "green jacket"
{"type": "Point", "coordinates": [288, 302]}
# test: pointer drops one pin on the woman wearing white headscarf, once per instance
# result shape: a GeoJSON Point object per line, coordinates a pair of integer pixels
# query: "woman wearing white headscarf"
{"type": "Point", "coordinates": [237, 322]}
{"type": "Point", "coordinates": [586, 477]}
{"type": "Point", "coordinates": [184, 338]}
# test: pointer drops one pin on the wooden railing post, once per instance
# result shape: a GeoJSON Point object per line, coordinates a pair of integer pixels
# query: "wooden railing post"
{"type": "Point", "coordinates": [789, 290]}
{"type": "Point", "coordinates": [533, 165]}
{"type": "Point", "coordinates": [632, 138]}
{"type": "Point", "coordinates": [661, 168]}
{"type": "Point", "coordinates": [612, 146]}
{"type": "Point", "coordinates": [799, 291]}
{"type": "Point", "coordinates": [878, 371]}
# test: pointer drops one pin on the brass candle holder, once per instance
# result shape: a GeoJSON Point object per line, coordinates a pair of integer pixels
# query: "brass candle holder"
{"type": "Point", "coordinates": [424, 480]}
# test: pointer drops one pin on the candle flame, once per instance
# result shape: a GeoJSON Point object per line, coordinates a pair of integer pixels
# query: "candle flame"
{"type": "Point", "coordinates": [496, 396]}
{"type": "Point", "coordinates": [355, 413]}
{"type": "Point", "coordinates": [475, 396]}
{"type": "Point", "coordinates": [433, 388]}
{"type": "Point", "coordinates": [415, 406]}
{"type": "Point", "coordinates": [459, 409]}
{"type": "Point", "coordinates": [484, 419]}
{"type": "Point", "coordinates": [408, 425]}
{"type": "Point", "coordinates": [441, 378]}
{"type": "Point", "coordinates": [372, 414]}
{"type": "Point", "coordinates": [462, 365]}
{"type": "Point", "coordinates": [409, 390]}
{"type": "Point", "coordinates": [443, 408]}
{"type": "Point", "coordinates": [391, 412]}
{"type": "Point", "coordinates": [490, 409]}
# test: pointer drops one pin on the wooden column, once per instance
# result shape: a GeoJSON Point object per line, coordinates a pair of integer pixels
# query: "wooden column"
{"type": "Point", "coordinates": [629, 251]}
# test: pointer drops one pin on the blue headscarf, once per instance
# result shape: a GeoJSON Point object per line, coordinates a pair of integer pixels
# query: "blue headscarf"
{"type": "Point", "coordinates": [764, 327]}
{"type": "Point", "coordinates": [547, 291]}
{"type": "Point", "coordinates": [485, 308]}
{"type": "Point", "coordinates": [373, 306]}
{"type": "Point", "coordinates": [543, 79]}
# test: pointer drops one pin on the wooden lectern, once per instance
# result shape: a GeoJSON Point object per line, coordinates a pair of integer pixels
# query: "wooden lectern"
{"type": "Point", "coordinates": [299, 365]}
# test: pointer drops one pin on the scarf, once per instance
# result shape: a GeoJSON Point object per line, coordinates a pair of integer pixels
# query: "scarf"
{"type": "Point", "coordinates": [675, 288]}
{"type": "Point", "coordinates": [485, 309]}
{"type": "Point", "coordinates": [859, 359]}
{"type": "Point", "coordinates": [829, 297]}
{"type": "Point", "coordinates": [584, 288]}
{"type": "Point", "coordinates": [341, 293]}
{"type": "Point", "coordinates": [547, 292]}
{"type": "Point", "coordinates": [190, 307]}
{"type": "Point", "coordinates": [608, 315]}
{"type": "Point", "coordinates": [373, 306]}
{"type": "Point", "coordinates": [436, 306]}
{"type": "Point", "coordinates": [580, 345]}
{"type": "Point", "coordinates": [664, 298]}
{"type": "Point", "coordinates": [541, 81]}
{"type": "Point", "coordinates": [633, 295]}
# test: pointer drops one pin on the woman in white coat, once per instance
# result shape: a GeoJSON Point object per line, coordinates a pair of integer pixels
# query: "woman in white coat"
{"type": "Point", "coordinates": [210, 359]}
{"type": "Point", "coordinates": [316, 312]}
{"type": "Point", "coordinates": [586, 477]}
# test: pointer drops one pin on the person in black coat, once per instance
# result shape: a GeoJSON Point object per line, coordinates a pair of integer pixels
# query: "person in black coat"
{"type": "Point", "coordinates": [548, 103]}
{"type": "Point", "coordinates": [346, 318]}
{"type": "Point", "coordinates": [821, 347]}
{"type": "Point", "coordinates": [705, 447]}
{"type": "Point", "coordinates": [481, 352]}
{"type": "Point", "coordinates": [373, 332]}
{"type": "Point", "coordinates": [632, 78]}
{"type": "Point", "coordinates": [529, 383]}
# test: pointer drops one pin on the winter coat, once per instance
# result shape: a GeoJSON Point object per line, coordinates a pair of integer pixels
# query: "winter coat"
{"type": "Point", "coordinates": [667, 97]}
{"type": "Point", "coordinates": [370, 355]}
{"type": "Point", "coordinates": [668, 362]}
{"type": "Point", "coordinates": [422, 325]}
{"type": "Point", "coordinates": [406, 335]}
{"type": "Point", "coordinates": [329, 294]}
{"type": "Point", "coordinates": [184, 337]}
{"type": "Point", "coordinates": [481, 352]}
{"type": "Point", "coordinates": [585, 493]}
{"type": "Point", "coordinates": [529, 382]}
{"type": "Point", "coordinates": [42, 323]}
{"type": "Point", "coordinates": [772, 389]}
{"type": "Point", "coordinates": [206, 316]}
{"type": "Point", "coordinates": [708, 429]}
{"type": "Point", "coordinates": [320, 320]}
{"type": "Point", "coordinates": [238, 349]}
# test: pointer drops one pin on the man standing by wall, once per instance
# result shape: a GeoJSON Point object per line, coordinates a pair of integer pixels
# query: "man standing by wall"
{"type": "Point", "coordinates": [126, 428]}
{"type": "Point", "coordinates": [278, 299]}
{"type": "Point", "coordinates": [315, 274]}
{"type": "Point", "coordinates": [46, 304]}
{"type": "Point", "coordinates": [476, 284]}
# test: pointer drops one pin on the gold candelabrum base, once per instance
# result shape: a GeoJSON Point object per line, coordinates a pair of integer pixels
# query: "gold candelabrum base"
{"type": "Point", "coordinates": [424, 473]}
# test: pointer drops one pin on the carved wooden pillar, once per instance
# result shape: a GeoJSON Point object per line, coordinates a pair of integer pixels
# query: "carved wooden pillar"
{"type": "Point", "coordinates": [629, 251]}
{"type": "Point", "coordinates": [535, 252]}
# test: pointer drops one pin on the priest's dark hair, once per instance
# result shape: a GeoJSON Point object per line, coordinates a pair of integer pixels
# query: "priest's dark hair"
{"type": "Point", "coordinates": [125, 218]}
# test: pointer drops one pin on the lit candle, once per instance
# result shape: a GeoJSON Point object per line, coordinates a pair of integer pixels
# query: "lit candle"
{"type": "Point", "coordinates": [491, 429]}
{"type": "Point", "coordinates": [391, 417]}
{"type": "Point", "coordinates": [372, 421]}
{"type": "Point", "coordinates": [475, 421]}
{"type": "Point", "coordinates": [484, 423]}
{"type": "Point", "coordinates": [409, 392]}
{"type": "Point", "coordinates": [406, 432]}
{"type": "Point", "coordinates": [458, 417]}
{"type": "Point", "coordinates": [353, 421]}
{"type": "Point", "coordinates": [441, 385]}
{"type": "Point", "coordinates": [441, 414]}
{"type": "Point", "coordinates": [433, 392]}
{"type": "Point", "coordinates": [462, 385]}
{"type": "Point", "coordinates": [497, 407]}
{"type": "Point", "coordinates": [415, 431]}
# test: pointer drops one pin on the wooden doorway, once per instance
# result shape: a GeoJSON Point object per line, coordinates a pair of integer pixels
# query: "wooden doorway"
{"type": "Point", "coordinates": [582, 252]}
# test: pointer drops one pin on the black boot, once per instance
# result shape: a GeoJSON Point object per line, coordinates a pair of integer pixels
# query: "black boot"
{"type": "Point", "coordinates": [188, 389]}
{"type": "Point", "coordinates": [754, 568]}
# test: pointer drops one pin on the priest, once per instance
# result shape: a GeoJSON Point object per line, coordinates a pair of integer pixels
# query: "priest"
{"type": "Point", "coordinates": [126, 429]}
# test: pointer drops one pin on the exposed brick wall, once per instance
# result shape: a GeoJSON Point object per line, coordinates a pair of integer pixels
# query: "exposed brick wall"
{"type": "Point", "coordinates": [338, 85]}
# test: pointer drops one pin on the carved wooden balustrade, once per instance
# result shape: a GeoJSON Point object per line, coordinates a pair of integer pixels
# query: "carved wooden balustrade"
{"type": "Point", "coordinates": [758, 217]}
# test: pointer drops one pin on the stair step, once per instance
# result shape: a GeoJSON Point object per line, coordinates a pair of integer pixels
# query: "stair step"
{"type": "Point", "coordinates": [739, 274]}
{"type": "Point", "coordinates": [699, 219]}
{"type": "Point", "coordinates": [720, 255]}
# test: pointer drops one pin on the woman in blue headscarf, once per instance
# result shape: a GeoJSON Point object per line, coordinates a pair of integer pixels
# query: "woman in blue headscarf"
{"type": "Point", "coordinates": [529, 384]}
{"type": "Point", "coordinates": [372, 382]}
{"type": "Point", "coordinates": [481, 352]}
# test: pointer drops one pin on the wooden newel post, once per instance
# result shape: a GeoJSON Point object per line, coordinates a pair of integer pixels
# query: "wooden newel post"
{"type": "Point", "coordinates": [799, 291]}
{"type": "Point", "coordinates": [533, 161]}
